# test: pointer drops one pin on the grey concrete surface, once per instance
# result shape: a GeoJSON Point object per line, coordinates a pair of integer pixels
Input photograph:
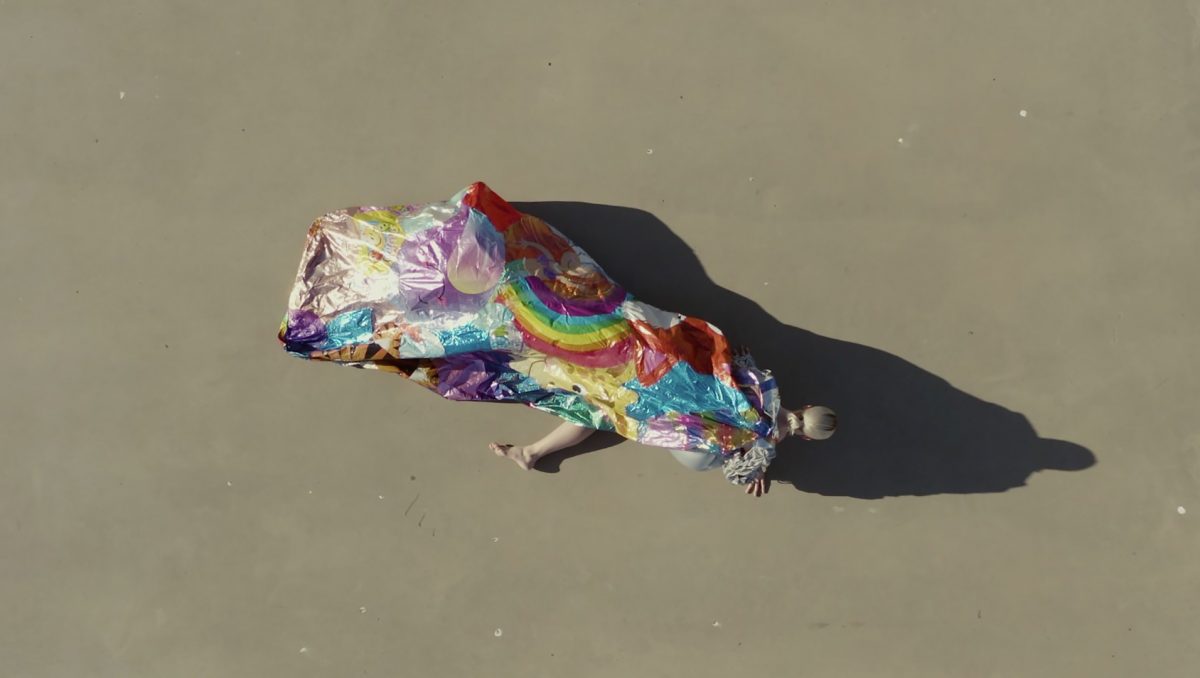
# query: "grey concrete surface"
{"type": "Point", "coordinates": [1001, 305]}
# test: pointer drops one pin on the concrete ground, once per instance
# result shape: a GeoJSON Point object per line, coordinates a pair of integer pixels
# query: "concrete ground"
{"type": "Point", "coordinates": [970, 227]}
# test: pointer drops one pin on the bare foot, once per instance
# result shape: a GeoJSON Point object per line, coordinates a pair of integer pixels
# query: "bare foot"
{"type": "Point", "coordinates": [517, 453]}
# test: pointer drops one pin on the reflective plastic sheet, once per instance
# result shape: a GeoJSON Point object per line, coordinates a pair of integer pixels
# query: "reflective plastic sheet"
{"type": "Point", "coordinates": [476, 301]}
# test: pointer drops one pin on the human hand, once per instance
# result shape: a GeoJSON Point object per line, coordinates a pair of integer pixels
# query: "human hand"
{"type": "Point", "coordinates": [758, 487]}
{"type": "Point", "coordinates": [741, 357]}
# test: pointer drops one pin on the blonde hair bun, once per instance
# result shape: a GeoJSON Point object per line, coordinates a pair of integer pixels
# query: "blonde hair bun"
{"type": "Point", "coordinates": [819, 422]}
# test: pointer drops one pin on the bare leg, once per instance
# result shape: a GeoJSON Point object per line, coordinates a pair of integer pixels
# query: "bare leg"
{"type": "Point", "coordinates": [566, 435]}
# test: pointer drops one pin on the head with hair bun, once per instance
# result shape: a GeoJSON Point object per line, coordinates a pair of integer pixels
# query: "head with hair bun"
{"type": "Point", "coordinates": [814, 422]}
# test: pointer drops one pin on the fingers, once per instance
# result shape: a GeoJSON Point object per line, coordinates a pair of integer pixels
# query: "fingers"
{"type": "Point", "coordinates": [757, 487]}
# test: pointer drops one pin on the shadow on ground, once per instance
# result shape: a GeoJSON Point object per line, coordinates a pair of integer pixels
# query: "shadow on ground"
{"type": "Point", "coordinates": [903, 431]}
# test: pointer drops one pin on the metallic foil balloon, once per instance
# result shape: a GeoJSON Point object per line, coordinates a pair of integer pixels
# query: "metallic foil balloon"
{"type": "Point", "coordinates": [476, 301]}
